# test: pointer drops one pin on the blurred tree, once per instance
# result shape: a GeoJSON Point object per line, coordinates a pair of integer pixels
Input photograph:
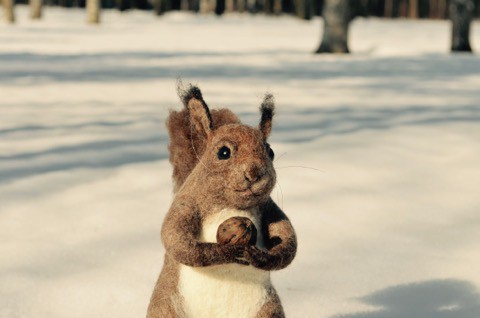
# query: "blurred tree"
{"type": "Point", "coordinates": [388, 12]}
{"type": "Point", "coordinates": [268, 6]}
{"type": "Point", "coordinates": [123, 5]}
{"type": "Point", "coordinates": [207, 6]}
{"type": "Point", "coordinates": [35, 9]}
{"type": "Point", "coordinates": [423, 7]}
{"type": "Point", "coordinates": [9, 9]}
{"type": "Point", "coordinates": [336, 16]}
{"type": "Point", "coordinates": [158, 7]}
{"type": "Point", "coordinates": [277, 7]}
{"type": "Point", "coordinates": [461, 14]}
{"type": "Point", "coordinates": [304, 9]}
{"type": "Point", "coordinates": [402, 8]}
{"type": "Point", "coordinates": [219, 7]}
{"type": "Point", "coordinates": [193, 5]}
{"type": "Point", "coordinates": [162, 6]}
{"type": "Point", "coordinates": [93, 11]}
{"type": "Point", "coordinates": [229, 6]}
{"type": "Point", "coordinates": [288, 6]}
{"type": "Point", "coordinates": [241, 6]}
{"type": "Point", "coordinates": [413, 9]}
{"type": "Point", "coordinates": [442, 8]}
{"type": "Point", "coordinates": [432, 9]}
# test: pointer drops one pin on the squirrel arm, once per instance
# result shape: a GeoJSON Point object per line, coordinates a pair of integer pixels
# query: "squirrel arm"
{"type": "Point", "coordinates": [280, 240]}
{"type": "Point", "coordinates": [180, 232]}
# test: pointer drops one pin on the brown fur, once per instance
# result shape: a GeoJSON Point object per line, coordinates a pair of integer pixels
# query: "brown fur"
{"type": "Point", "coordinates": [165, 292]}
{"type": "Point", "coordinates": [272, 308]}
{"type": "Point", "coordinates": [206, 185]}
{"type": "Point", "coordinates": [188, 144]}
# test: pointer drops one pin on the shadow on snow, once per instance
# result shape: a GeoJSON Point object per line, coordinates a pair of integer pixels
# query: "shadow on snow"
{"type": "Point", "coordinates": [149, 143]}
{"type": "Point", "coordinates": [116, 67]}
{"type": "Point", "coordinates": [449, 298]}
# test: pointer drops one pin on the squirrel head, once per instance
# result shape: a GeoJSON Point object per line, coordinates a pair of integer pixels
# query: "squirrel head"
{"type": "Point", "coordinates": [235, 167]}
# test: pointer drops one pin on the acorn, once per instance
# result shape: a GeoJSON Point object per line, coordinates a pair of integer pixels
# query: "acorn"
{"type": "Point", "coordinates": [237, 230]}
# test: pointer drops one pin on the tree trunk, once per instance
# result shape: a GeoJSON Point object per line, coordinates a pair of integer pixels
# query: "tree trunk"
{"type": "Point", "coordinates": [413, 9]}
{"type": "Point", "coordinates": [205, 6]}
{"type": "Point", "coordinates": [158, 7]}
{"type": "Point", "coordinates": [229, 6]}
{"type": "Point", "coordinates": [268, 6]}
{"type": "Point", "coordinates": [251, 6]}
{"type": "Point", "coordinates": [304, 9]}
{"type": "Point", "coordinates": [403, 8]}
{"type": "Point", "coordinates": [442, 4]}
{"type": "Point", "coordinates": [35, 9]}
{"type": "Point", "coordinates": [93, 11]}
{"type": "Point", "coordinates": [336, 16]}
{"type": "Point", "coordinates": [388, 12]}
{"type": "Point", "coordinates": [277, 7]}
{"type": "Point", "coordinates": [8, 8]}
{"type": "Point", "coordinates": [433, 9]}
{"type": "Point", "coordinates": [162, 6]}
{"type": "Point", "coordinates": [219, 7]}
{"type": "Point", "coordinates": [461, 14]}
{"type": "Point", "coordinates": [241, 6]}
{"type": "Point", "coordinates": [123, 5]}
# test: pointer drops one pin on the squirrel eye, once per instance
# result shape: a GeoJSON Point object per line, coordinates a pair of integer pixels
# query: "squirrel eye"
{"type": "Point", "coordinates": [224, 153]}
{"type": "Point", "coordinates": [270, 152]}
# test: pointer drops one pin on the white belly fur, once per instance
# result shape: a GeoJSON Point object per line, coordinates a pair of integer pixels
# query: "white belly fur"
{"type": "Point", "coordinates": [226, 291]}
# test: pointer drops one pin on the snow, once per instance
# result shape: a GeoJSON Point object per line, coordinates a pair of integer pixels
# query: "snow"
{"type": "Point", "coordinates": [377, 159]}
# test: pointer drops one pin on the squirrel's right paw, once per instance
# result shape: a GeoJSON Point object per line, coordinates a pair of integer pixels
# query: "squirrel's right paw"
{"type": "Point", "coordinates": [232, 253]}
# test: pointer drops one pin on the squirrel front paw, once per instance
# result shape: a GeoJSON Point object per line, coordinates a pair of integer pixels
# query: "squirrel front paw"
{"type": "Point", "coordinates": [259, 258]}
{"type": "Point", "coordinates": [232, 253]}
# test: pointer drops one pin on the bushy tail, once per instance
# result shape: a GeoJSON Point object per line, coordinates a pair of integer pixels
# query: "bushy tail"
{"type": "Point", "coordinates": [187, 144]}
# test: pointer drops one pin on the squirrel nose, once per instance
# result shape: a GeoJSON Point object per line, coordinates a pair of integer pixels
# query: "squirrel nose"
{"type": "Point", "coordinates": [254, 173]}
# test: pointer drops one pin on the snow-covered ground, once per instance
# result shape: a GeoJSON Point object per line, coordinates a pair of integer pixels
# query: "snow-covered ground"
{"type": "Point", "coordinates": [378, 159]}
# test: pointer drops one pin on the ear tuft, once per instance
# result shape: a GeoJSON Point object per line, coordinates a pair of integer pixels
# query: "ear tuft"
{"type": "Point", "coordinates": [192, 99]}
{"type": "Point", "coordinates": [189, 92]}
{"type": "Point", "coordinates": [267, 109]}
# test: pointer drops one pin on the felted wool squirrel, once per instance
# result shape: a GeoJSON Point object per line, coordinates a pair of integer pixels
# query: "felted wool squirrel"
{"type": "Point", "coordinates": [221, 169]}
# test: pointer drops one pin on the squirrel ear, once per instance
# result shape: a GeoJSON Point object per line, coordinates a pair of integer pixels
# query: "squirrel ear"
{"type": "Point", "coordinates": [200, 116]}
{"type": "Point", "coordinates": [267, 109]}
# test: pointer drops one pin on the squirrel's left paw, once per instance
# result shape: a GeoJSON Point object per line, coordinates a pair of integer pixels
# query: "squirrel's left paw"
{"type": "Point", "coordinates": [259, 258]}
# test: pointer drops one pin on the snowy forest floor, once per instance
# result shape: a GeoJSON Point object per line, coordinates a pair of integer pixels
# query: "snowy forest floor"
{"type": "Point", "coordinates": [378, 159]}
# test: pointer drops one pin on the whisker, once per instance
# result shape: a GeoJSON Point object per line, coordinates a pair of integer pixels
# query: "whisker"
{"type": "Point", "coordinates": [281, 191]}
{"type": "Point", "coordinates": [278, 192]}
{"type": "Point", "coordinates": [195, 150]}
{"type": "Point", "coordinates": [278, 158]}
{"type": "Point", "coordinates": [304, 167]}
